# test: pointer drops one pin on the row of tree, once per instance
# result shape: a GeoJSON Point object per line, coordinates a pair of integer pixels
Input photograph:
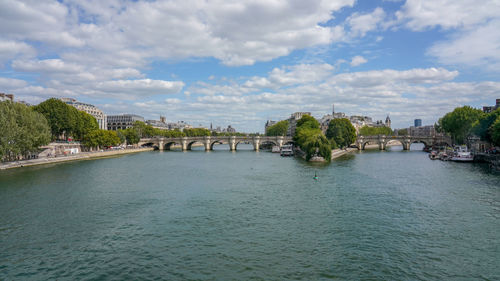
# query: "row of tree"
{"type": "Point", "coordinates": [465, 121]}
{"type": "Point", "coordinates": [373, 131]}
{"type": "Point", "coordinates": [23, 130]}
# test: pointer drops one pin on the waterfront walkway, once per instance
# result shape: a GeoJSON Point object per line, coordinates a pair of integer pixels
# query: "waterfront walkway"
{"type": "Point", "coordinates": [74, 157]}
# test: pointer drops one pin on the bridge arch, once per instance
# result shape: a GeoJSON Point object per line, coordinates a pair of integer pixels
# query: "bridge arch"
{"type": "Point", "coordinates": [151, 144]}
{"type": "Point", "coordinates": [190, 144]}
{"type": "Point", "coordinates": [168, 145]}
{"type": "Point", "coordinates": [216, 141]}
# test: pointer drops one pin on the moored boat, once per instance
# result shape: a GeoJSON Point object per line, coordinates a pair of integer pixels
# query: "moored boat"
{"type": "Point", "coordinates": [462, 154]}
{"type": "Point", "coordinates": [286, 150]}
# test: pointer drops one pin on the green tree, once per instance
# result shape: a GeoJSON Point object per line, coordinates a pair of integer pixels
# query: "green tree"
{"type": "Point", "coordinates": [373, 131]}
{"type": "Point", "coordinates": [459, 122]}
{"type": "Point", "coordinates": [494, 131]}
{"type": "Point", "coordinates": [311, 140]}
{"type": "Point", "coordinates": [482, 127]}
{"type": "Point", "coordinates": [278, 129]}
{"type": "Point", "coordinates": [132, 136]}
{"type": "Point", "coordinates": [402, 132]}
{"type": "Point", "coordinates": [101, 138]}
{"type": "Point", "coordinates": [341, 131]}
{"type": "Point", "coordinates": [59, 115]}
{"type": "Point", "coordinates": [23, 130]}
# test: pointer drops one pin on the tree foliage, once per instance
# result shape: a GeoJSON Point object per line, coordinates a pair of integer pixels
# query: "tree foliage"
{"type": "Point", "coordinates": [494, 131]}
{"type": "Point", "coordinates": [65, 120]}
{"type": "Point", "coordinates": [278, 129]}
{"type": "Point", "coordinates": [101, 138]}
{"type": "Point", "coordinates": [341, 131]}
{"type": "Point", "coordinates": [482, 127]}
{"type": "Point", "coordinates": [459, 122]}
{"type": "Point", "coordinates": [402, 132]}
{"type": "Point", "coordinates": [22, 130]}
{"type": "Point", "coordinates": [373, 131]}
{"type": "Point", "coordinates": [311, 140]}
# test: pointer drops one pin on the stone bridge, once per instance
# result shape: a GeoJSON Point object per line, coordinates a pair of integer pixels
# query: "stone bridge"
{"type": "Point", "coordinates": [406, 141]}
{"type": "Point", "coordinates": [209, 141]}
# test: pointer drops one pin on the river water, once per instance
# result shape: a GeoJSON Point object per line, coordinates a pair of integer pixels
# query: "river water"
{"type": "Point", "coordinates": [242, 215]}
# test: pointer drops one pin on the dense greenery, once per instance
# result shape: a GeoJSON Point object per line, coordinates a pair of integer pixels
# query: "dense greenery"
{"type": "Point", "coordinates": [373, 131]}
{"type": "Point", "coordinates": [483, 127]}
{"type": "Point", "coordinates": [402, 132]}
{"type": "Point", "coordinates": [23, 130]}
{"type": "Point", "coordinates": [101, 138]}
{"type": "Point", "coordinates": [65, 120]}
{"type": "Point", "coordinates": [460, 122]}
{"type": "Point", "coordinates": [341, 131]}
{"type": "Point", "coordinates": [311, 140]}
{"type": "Point", "coordinates": [494, 131]}
{"type": "Point", "coordinates": [278, 129]}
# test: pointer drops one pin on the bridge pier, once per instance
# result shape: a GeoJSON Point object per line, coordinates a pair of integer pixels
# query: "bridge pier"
{"type": "Point", "coordinates": [161, 145]}
{"type": "Point", "coordinates": [232, 143]}
{"type": "Point", "coordinates": [256, 143]}
{"type": "Point", "coordinates": [184, 143]}
{"type": "Point", "coordinates": [206, 143]}
{"type": "Point", "coordinates": [280, 141]}
{"type": "Point", "coordinates": [381, 142]}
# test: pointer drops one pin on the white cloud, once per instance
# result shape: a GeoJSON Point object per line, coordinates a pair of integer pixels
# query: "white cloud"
{"type": "Point", "coordinates": [10, 83]}
{"type": "Point", "coordinates": [140, 87]}
{"type": "Point", "coordinates": [421, 14]}
{"type": "Point", "coordinates": [362, 23]}
{"type": "Point", "coordinates": [46, 66]}
{"type": "Point", "coordinates": [10, 49]}
{"type": "Point", "coordinates": [473, 24]}
{"type": "Point", "coordinates": [476, 47]}
{"type": "Point", "coordinates": [358, 60]}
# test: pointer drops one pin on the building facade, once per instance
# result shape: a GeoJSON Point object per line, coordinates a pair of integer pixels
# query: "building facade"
{"type": "Point", "coordinates": [422, 131]}
{"type": "Point", "coordinates": [122, 122]}
{"type": "Point", "coordinates": [99, 116]}
{"type": "Point", "coordinates": [292, 122]}
{"type": "Point", "coordinates": [6, 97]}
{"type": "Point", "coordinates": [488, 109]}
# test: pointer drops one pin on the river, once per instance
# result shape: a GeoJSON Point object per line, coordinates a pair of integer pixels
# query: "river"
{"type": "Point", "coordinates": [242, 215]}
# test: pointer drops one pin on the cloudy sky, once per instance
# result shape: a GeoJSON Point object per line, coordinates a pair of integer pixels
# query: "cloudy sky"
{"type": "Point", "coordinates": [243, 62]}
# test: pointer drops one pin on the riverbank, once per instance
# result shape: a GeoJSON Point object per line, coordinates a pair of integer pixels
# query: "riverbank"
{"type": "Point", "coordinates": [80, 156]}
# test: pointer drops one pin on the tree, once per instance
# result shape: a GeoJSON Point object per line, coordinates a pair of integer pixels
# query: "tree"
{"type": "Point", "coordinates": [59, 115]}
{"type": "Point", "coordinates": [101, 138]}
{"type": "Point", "coordinates": [373, 131]}
{"type": "Point", "coordinates": [482, 127]}
{"type": "Point", "coordinates": [341, 131]}
{"type": "Point", "coordinates": [278, 129]}
{"type": "Point", "coordinates": [459, 122]}
{"type": "Point", "coordinates": [23, 130]}
{"type": "Point", "coordinates": [311, 140]}
{"type": "Point", "coordinates": [494, 131]}
{"type": "Point", "coordinates": [402, 132]}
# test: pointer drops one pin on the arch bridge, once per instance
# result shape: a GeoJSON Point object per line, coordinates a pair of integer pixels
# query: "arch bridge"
{"type": "Point", "coordinates": [406, 141]}
{"type": "Point", "coordinates": [208, 142]}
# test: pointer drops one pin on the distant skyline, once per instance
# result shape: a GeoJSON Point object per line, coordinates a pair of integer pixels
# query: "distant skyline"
{"type": "Point", "coordinates": [241, 63]}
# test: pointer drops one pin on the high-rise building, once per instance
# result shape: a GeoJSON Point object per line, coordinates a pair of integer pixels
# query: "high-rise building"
{"type": "Point", "coordinates": [417, 122]}
{"type": "Point", "coordinates": [117, 122]}
{"type": "Point", "coordinates": [99, 116]}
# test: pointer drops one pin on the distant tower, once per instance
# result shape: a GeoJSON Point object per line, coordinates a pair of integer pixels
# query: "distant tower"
{"type": "Point", "coordinates": [388, 121]}
{"type": "Point", "coordinates": [333, 109]}
{"type": "Point", "coordinates": [210, 126]}
{"type": "Point", "coordinates": [163, 119]}
{"type": "Point", "coordinates": [418, 122]}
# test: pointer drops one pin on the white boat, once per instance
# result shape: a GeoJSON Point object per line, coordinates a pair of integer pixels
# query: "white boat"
{"type": "Point", "coordinates": [462, 154]}
{"type": "Point", "coordinates": [286, 150]}
{"type": "Point", "coordinates": [275, 149]}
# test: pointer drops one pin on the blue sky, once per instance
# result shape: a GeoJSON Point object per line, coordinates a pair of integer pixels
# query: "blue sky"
{"type": "Point", "coordinates": [240, 63]}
